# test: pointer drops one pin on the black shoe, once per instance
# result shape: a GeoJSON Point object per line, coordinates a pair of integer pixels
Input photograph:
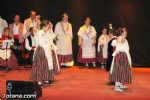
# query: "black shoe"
{"type": "Point", "coordinates": [110, 83]}
{"type": "Point", "coordinates": [63, 66]}
{"type": "Point", "coordinates": [49, 82]}
{"type": "Point", "coordinates": [40, 85]}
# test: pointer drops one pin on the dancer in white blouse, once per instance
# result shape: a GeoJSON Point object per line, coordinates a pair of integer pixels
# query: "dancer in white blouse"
{"type": "Point", "coordinates": [120, 71]}
{"type": "Point", "coordinates": [44, 61]}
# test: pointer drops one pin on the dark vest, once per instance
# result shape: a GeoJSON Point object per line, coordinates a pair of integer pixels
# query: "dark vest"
{"type": "Point", "coordinates": [30, 43]}
{"type": "Point", "coordinates": [110, 47]}
{"type": "Point", "coordinates": [110, 51]}
{"type": "Point", "coordinates": [30, 40]}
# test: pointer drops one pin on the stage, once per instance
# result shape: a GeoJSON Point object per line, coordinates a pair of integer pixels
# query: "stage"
{"type": "Point", "coordinates": [75, 83]}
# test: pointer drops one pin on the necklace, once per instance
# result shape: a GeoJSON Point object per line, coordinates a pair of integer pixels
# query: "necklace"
{"type": "Point", "coordinates": [64, 28]}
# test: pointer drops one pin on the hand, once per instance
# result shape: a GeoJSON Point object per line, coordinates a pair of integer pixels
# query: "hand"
{"type": "Point", "coordinates": [33, 47]}
{"type": "Point", "coordinates": [51, 24]}
{"type": "Point", "coordinates": [34, 30]}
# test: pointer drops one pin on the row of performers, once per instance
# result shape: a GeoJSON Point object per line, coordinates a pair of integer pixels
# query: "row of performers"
{"type": "Point", "coordinates": [64, 35]}
{"type": "Point", "coordinates": [108, 49]}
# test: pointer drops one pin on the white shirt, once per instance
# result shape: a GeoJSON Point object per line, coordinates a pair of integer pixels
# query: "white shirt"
{"type": "Point", "coordinates": [3, 24]}
{"type": "Point", "coordinates": [32, 23]}
{"type": "Point", "coordinates": [63, 28]}
{"type": "Point", "coordinates": [121, 47]}
{"type": "Point", "coordinates": [103, 40]}
{"type": "Point", "coordinates": [87, 34]}
{"type": "Point", "coordinates": [64, 36]}
{"type": "Point", "coordinates": [27, 46]}
{"type": "Point", "coordinates": [114, 42]}
{"type": "Point", "coordinates": [15, 29]}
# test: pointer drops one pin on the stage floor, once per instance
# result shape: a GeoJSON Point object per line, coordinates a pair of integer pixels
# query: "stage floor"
{"type": "Point", "coordinates": [75, 83]}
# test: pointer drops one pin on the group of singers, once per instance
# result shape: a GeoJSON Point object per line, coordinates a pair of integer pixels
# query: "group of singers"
{"type": "Point", "coordinates": [32, 43]}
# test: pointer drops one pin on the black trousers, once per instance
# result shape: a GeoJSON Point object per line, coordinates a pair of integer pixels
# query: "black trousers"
{"type": "Point", "coordinates": [18, 52]}
{"type": "Point", "coordinates": [108, 63]}
{"type": "Point", "coordinates": [29, 60]}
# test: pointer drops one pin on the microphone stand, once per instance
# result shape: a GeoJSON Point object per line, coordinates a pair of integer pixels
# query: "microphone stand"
{"type": "Point", "coordinates": [6, 65]}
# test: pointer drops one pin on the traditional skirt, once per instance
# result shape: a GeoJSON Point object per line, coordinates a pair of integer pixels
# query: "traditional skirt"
{"type": "Point", "coordinates": [55, 62]}
{"type": "Point", "coordinates": [121, 69]}
{"type": "Point", "coordinates": [65, 58]}
{"type": "Point", "coordinates": [12, 62]}
{"type": "Point", "coordinates": [40, 71]}
{"type": "Point", "coordinates": [100, 57]}
{"type": "Point", "coordinates": [80, 59]}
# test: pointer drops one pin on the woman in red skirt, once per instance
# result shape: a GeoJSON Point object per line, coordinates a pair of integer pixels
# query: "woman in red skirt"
{"type": "Point", "coordinates": [45, 59]}
{"type": "Point", "coordinates": [120, 72]}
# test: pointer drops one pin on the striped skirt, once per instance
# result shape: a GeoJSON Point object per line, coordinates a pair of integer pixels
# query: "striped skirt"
{"type": "Point", "coordinates": [65, 58]}
{"type": "Point", "coordinates": [40, 71]}
{"type": "Point", "coordinates": [80, 59]}
{"type": "Point", "coordinates": [12, 62]}
{"type": "Point", "coordinates": [121, 69]}
{"type": "Point", "coordinates": [55, 63]}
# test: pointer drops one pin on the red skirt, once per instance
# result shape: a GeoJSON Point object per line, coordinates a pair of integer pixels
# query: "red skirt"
{"type": "Point", "coordinates": [80, 59]}
{"type": "Point", "coordinates": [65, 58]}
{"type": "Point", "coordinates": [12, 62]}
{"type": "Point", "coordinates": [40, 71]}
{"type": "Point", "coordinates": [100, 57]}
{"type": "Point", "coordinates": [121, 69]}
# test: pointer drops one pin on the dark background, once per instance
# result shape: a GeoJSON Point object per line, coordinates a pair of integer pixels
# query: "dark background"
{"type": "Point", "coordinates": [133, 14]}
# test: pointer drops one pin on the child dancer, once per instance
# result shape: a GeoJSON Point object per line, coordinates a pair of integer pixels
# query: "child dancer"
{"type": "Point", "coordinates": [43, 65]}
{"type": "Point", "coordinates": [102, 47]}
{"type": "Point", "coordinates": [120, 71]}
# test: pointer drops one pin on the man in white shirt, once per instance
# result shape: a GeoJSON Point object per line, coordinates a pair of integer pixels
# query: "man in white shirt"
{"type": "Point", "coordinates": [16, 29]}
{"type": "Point", "coordinates": [31, 22]}
{"type": "Point", "coordinates": [3, 24]}
{"type": "Point", "coordinates": [30, 44]}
